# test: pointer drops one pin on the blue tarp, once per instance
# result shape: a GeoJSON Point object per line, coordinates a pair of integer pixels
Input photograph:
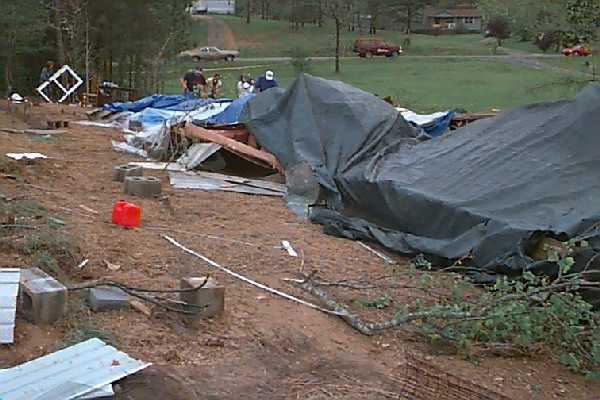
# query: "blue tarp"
{"type": "Point", "coordinates": [439, 126]}
{"type": "Point", "coordinates": [161, 102]}
{"type": "Point", "coordinates": [153, 116]}
{"type": "Point", "coordinates": [231, 115]}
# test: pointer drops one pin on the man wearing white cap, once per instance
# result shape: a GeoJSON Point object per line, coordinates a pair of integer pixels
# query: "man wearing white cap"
{"type": "Point", "coordinates": [266, 82]}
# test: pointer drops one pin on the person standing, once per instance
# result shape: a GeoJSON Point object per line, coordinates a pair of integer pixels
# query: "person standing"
{"type": "Point", "coordinates": [191, 80]}
{"type": "Point", "coordinates": [266, 82]}
{"type": "Point", "coordinates": [215, 84]}
{"type": "Point", "coordinates": [46, 74]}
{"type": "Point", "coordinates": [245, 86]}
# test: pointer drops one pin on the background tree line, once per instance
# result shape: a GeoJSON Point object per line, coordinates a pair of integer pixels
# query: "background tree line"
{"type": "Point", "coordinates": [123, 41]}
{"type": "Point", "coordinates": [548, 23]}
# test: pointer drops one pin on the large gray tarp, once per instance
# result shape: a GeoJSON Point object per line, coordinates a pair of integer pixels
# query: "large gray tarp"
{"type": "Point", "coordinates": [481, 191]}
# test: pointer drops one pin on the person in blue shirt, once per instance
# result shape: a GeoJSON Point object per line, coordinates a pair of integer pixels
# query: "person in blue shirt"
{"type": "Point", "coordinates": [266, 82]}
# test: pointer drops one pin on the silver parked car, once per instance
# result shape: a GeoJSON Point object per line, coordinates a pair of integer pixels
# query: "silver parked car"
{"type": "Point", "coordinates": [214, 54]}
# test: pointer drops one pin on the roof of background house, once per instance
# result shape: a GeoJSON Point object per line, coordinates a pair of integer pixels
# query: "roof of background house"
{"type": "Point", "coordinates": [433, 12]}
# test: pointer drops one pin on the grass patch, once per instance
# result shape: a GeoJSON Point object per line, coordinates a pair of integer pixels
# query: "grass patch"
{"type": "Point", "coordinates": [81, 332]}
{"type": "Point", "coordinates": [81, 326]}
{"type": "Point", "coordinates": [432, 84]}
{"type": "Point", "coordinates": [8, 167]}
{"type": "Point", "coordinates": [526, 47]}
{"type": "Point", "coordinates": [198, 33]}
{"type": "Point", "coordinates": [263, 38]}
{"type": "Point", "coordinates": [25, 209]}
{"type": "Point", "coordinates": [575, 64]}
{"type": "Point", "coordinates": [38, 235]}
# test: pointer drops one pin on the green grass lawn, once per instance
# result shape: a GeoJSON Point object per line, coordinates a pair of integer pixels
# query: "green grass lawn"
{"type": "Point", "coordinates": [198, 34]}
{"type": "Point", "coordinates": [263, 38]}
{"type": "Point", "coordinates": [525, 47]}
{"type": "Point", "coordinates": [428, 85]}
{"type": "Point", "coordinates": [577, 64]}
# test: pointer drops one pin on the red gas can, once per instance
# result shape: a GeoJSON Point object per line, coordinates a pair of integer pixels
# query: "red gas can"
{"type": "Point", "coordinates": [126, 214]}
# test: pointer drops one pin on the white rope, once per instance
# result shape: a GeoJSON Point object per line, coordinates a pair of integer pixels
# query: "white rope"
{"type": "Point", "coordinates": [247, 280]}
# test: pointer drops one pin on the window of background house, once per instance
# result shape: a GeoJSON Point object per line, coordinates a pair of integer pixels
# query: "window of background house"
{"type": "Point", "coordinates": [469, 20]}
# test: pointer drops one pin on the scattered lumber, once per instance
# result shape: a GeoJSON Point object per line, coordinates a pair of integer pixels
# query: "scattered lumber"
{"type": "Point", "coordinates": [224, 138]}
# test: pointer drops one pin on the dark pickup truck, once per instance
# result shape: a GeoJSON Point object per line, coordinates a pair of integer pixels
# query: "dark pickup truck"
{"type": "Point", "coordinates": [376, 47]}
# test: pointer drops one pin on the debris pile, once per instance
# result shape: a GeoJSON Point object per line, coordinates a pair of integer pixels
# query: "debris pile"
{"type": "Point", "coordinates": [477, 194]}
{"type": "Point", "coordinates": [84, 371]}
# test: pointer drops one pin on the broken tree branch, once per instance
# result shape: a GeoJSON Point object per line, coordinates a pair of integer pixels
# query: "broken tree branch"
{"type": "Point", "coordinates": [369, 328]}
{"type": "Point", "coordinates": [158, 301]}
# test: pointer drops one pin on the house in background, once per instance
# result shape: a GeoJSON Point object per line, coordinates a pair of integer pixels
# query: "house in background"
{"type": "Point", "coordinates": [460, 19]}
{"type": "Point", "coordinates": [214, 7]}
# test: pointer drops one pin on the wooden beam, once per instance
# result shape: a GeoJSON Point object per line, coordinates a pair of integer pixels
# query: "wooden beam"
{"type": "Point", "coordinates": [223, 138]}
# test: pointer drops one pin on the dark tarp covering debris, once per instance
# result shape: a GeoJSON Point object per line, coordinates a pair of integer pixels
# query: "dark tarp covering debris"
{"type": "Point", "coordinates": [483, 190]}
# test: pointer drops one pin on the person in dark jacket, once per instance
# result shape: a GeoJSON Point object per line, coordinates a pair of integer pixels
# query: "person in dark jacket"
{"type": "Point", "coordinates": [192, 79]}
{"type": "Point", "coordinates": [266, 82]}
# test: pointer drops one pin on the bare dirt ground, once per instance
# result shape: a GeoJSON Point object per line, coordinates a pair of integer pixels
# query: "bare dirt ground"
{"type": "Point", "coordinates": [219, 33]}
{"type": "Point", "coordinates": [263, 347]}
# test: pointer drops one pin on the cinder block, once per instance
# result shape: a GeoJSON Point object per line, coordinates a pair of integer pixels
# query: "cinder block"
{"type": "Point", "coordinates": [43, 299]}
{"type": "Point", "coordinates": [211, 296]}
{"type": "Point", "coordinates": [120, 172]}
{"type": "Point", "coordinates": [7, 333]}
{"type": "Point", "coordinates": [107, 298]}
{"type": "Point", "coordinates": [147, 186]}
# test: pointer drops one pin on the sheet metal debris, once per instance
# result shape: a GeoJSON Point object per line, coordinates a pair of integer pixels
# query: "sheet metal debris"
{"type": "Point", "coordinates": [158, 166]}
{"type": "Point", "coordinates": [124, 147]}
{"type": "Point", "coordinates": [197, 154]}
{"type": "Point", "coordinates": [218, 182]}
{"type": "Point", "coordinates": [68, 374]}
{"type": "Point", "coordinates": [28, 156]}
{"type": "Point", "coordinates": [9, 289]}
{"type": "Point", "coordinates": [288, 247]}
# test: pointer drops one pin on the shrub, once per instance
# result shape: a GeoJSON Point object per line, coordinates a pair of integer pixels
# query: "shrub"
{"type": "Point", "coordinates": [300, 60]}
{"type": "Point", "coordinates": [546, 40]}
{"type": "Point", "coordinates": [499, 28]}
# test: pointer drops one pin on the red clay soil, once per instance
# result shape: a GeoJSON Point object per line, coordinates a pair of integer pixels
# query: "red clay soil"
{"type": "Point", "coordinates": [263, 347]}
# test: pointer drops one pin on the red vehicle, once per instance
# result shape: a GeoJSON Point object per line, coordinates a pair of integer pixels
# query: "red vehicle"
{"type": "Point", "coordinates": [375, 47]}
{"type": "Point", "coordinates": [580, 51]}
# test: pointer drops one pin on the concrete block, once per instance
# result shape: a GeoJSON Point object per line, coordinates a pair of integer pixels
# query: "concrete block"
{"type": "Point", "coordinates": [7, 333]}
{"type": "Point", "coordinates": [120, 172]}
{"type": "Point", "coordinates": [147, 186]}
{"type": "Point", "coordinates": [107, 298]}
{"type": "Point", "coordinates": [43, 299]}
{"type": "Point", "coordinates": [211, 296]}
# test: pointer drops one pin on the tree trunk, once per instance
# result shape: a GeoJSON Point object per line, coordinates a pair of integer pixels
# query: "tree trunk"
{"type": "Point", "coordinates": [8, 71]}
{"type": "Point", "coordinates": [60, 44]}
{"type": "Point", "coordinates": [320, 14]}
{"type": "Point", "coordinates": [338, 28]}
{"type": "Point", "coordinates": [248, 6]}
{"type": "Point", "coordinates": [409, 18]}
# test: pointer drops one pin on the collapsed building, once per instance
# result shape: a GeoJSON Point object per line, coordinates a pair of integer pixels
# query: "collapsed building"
{"type": "Point", "coordinates": [487, 194]}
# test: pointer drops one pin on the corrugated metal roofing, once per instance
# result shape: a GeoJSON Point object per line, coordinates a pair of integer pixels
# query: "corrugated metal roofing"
{"type": "Point", "coordinates": [69, 373]}
{"type": "Point", "coordinates": [9, 289]}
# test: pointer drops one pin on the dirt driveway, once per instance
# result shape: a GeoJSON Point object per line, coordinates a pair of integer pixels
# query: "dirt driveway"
{"type": "Point", "coordinates": [263, 347]}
